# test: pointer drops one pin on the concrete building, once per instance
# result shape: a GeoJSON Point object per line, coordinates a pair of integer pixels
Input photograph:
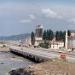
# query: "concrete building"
{"type": "Point", "coordinates": [39, 31]}
{"type": "Point", "coordinates": [71, 40]}
{"type": "Point", "coordinates": [71, 43]}
{"type": "Point", "coordinates": [38, 40]}
{"type": "Point", "coordinates": [57, 45]}
{"type": "Point", "coordinates": [72, 33]}
{"type": "Point", "coordinates": [38, 34]}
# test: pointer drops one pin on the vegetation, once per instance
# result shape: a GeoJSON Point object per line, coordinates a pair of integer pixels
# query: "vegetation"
{"type": "Point", "coordinates": [69, 32]}
{"type": "Point", "coordinates": [4, 45]}
{"type": "Point", "coordinates": [44, 45]}
{"type": "Point", "coordinates": [48, 35]}
{"type": "Point", "coordinates": [32, 38]}
{"type": "Point", "coordinates": [59, 35]}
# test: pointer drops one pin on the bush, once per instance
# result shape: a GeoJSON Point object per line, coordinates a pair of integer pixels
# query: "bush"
{"type": "Point", "coordinates": [4, 45]}
{"type": "Point", "coordinates": [44, 45]}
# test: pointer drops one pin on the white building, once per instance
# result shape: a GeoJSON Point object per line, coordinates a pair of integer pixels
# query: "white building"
{"type": "Point", "coordinates": [72, 33]}
{"type": "Point", "coordinates": [71, 43]}
{"type": "Point", "coordinates": [38, 40]}
{"type": "Point", "coordinates": [71, 40]}
{"type": "Point", "coordinates": [57, 45]}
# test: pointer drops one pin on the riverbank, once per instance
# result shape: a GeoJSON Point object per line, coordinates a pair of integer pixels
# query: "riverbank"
{"type": "Point", "coordinates": [47, 68]}
{"type": "Point", "coordinates": [9, 61]}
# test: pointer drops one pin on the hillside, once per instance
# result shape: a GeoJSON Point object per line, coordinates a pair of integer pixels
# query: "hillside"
{"type": "Point", "coordinates": [15, 37]}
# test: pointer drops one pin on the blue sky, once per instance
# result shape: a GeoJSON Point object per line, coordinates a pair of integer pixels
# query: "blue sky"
{"type": "Point", "coordinates": [22, 16]}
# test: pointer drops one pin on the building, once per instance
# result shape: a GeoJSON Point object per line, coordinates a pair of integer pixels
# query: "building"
{"type": "Point", "coordinates": [39, 31]}
{"type": "Point", "coordinates": [38, 40]}
{"type": "Point", "coordinates": [72, 33]}
{"type": "Point", "coordinates": [38, 34]}
{"type": "Point", "coordinates": [71, 43]}
{"type": "Point", "coordinates": [56, 44]}
{"type": "Point", "coordinates": [71, 40]}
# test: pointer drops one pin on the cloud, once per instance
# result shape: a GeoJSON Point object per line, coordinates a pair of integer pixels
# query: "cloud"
{"type": "Point", "coordinates": [50, 13]}
{"type": "Point", "coordinates": [72, 20]}
{"type": "Point", "coordinates": [25, 21]}
{"type": "Point", "coordinates": [32, 16]}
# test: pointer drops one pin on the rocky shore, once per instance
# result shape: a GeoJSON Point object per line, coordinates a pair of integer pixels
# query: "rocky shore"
{"type": "Point", "coordinates": [47, 68]}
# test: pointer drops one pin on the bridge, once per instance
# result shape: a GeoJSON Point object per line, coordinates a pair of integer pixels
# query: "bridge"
{"type": "Point", "coordinates": [34, 54]}
{"type": "Point", "coordinates": [39, 55]}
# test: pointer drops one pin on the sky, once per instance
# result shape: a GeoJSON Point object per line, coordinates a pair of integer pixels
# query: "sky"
{"type": "Point", "coordinates": [22, 16]}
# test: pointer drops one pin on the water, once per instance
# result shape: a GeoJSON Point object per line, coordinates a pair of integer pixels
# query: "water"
{"type": "Point", "coordinates": [9, 61]}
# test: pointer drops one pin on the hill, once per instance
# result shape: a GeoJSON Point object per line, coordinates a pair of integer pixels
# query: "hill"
{"type": "Point", "coordinates": [15, 37]}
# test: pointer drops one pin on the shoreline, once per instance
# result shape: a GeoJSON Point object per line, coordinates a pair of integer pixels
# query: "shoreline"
{"type": "Point", "coordinates": [9, 61]}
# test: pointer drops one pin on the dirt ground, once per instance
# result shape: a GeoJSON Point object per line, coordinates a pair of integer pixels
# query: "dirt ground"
{"type": "Point", "coordinates": [48, 68]}
{"type": "Point", "coordinates": [4, 49]}
{"type": "Point", "coordinates": [53, 68]}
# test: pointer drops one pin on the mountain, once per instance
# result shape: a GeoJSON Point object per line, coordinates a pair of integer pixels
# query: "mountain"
{"type": "Point", "coordinates": [15, 37]}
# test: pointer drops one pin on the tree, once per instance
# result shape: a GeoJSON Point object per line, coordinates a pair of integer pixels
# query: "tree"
{"type": "Point", "coordinates": [57, 35]}
{"type": "Point", "coordinates": [60, 35]}
{"type": "Point", "coordinates": [50, 35]}
{"type": "Point", "coordinates": [32, 38]}
{"type": "Point", "coordinates": [64, 33]}
{"type": "Point", "coordinates": [44, 35]}
{"type": "Point", "coordinates": [44, 45]}
{"type": "Point", "coordinates": [69, 32]}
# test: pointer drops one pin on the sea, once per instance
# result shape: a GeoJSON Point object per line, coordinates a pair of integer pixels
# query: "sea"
{"type": "Point", "coordinates": [10, 61]}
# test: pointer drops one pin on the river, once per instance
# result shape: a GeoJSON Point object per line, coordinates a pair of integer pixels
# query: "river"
{"type": "Point", "coordinates": [9, 61]}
